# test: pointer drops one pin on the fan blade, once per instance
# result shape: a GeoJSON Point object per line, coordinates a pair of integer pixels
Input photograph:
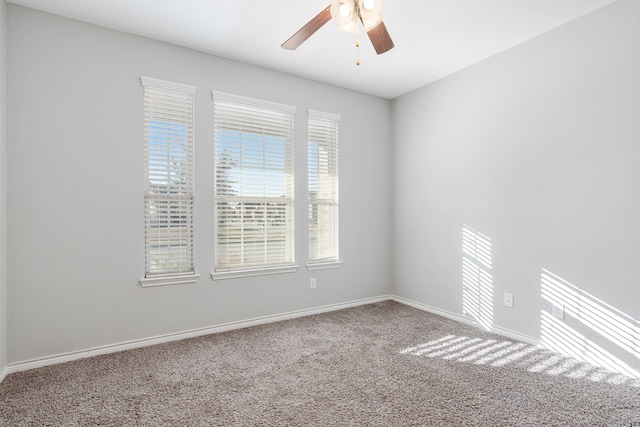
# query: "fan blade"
{"type": "Point", "coordinates": [380, 38]}
{"type": "Point", "coordinates": [309, 28]}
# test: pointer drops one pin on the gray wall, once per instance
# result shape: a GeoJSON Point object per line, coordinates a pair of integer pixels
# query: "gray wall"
{"type": "Point", "coordinates": [3, 184]}
{"type": "Point", "coordinates": [75, 190]}
{"type": "Point", "coordinates": [538, 150]}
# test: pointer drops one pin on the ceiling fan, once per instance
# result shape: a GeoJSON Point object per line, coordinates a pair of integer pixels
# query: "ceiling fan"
{"type": "Point", "coordinates": [347, 13]}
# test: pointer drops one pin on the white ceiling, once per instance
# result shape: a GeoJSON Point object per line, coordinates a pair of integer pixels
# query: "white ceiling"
{"type": "Point", "coordinates": [433, 38]}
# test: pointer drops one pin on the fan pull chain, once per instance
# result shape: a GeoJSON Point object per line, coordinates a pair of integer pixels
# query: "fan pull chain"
{"type": "Point", "coordinates": [357, 50]}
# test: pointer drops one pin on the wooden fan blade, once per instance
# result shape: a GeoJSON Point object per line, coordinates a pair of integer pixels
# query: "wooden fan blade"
{"type": "Point", "coordinates": [309, 28]}
{"type": "Point", "coordinates": [380, 38]}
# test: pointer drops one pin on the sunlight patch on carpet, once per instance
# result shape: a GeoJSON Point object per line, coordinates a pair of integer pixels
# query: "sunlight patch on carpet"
{"type": "Point", "coordinates": [497, 354]}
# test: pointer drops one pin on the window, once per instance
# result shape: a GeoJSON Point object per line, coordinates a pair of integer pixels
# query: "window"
{"type": "Point", "coordinates": [253, 188]}
{"type": "Point", "coordinates": [168, 199]}
{"type": "Point", "coordinates": [323, 190]}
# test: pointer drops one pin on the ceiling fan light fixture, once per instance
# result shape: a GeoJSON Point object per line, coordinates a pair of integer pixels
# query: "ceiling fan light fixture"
{"type": "Point", "coordinates": [351, 27]}
{"type": "Point", "coordinates": [348, 14]}
{"type": "Point", "coordinates": [342, 10]}
{"type": "Point", "coordinates": [369, 23]}
{"type": "Point", "coordinates": [370, 12]}
{"type": "Point", "coordinates": [368, 4]}
{"type": "Point", "coordinates": [344, 13]}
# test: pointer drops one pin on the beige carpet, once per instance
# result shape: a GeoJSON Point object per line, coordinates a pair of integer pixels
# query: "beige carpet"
{"type": "Point", "coordinates": [383, 364]}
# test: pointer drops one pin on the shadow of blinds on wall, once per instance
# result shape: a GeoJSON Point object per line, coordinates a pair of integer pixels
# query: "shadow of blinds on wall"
{"type": "Point", "coordinates": [477, 281]}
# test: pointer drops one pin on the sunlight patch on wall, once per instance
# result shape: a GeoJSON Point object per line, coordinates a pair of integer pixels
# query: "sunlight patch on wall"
{"type": "Point", "coordinates": [518, 355]}
{"type": "Point", "coordinates": [477, 281]}
{"type": "Point", "coordinates": [557, 336]}
{"type": "Point", "coordinates": [610, 323]}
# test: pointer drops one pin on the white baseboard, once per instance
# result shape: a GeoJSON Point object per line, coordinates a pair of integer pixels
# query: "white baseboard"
{"type": "Point", "coordinates": [67, 357]}
{"type": "Point", "coordinates": [129, 345]}
{"type": "Point", "coordinates": [77, 355]}
{"type": "Point", "coordinates": [454, 316]}
{"type": "Point", "coordinates": [3, 373]}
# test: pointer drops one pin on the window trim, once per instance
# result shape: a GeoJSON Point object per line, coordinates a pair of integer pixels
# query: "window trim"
{"type": "Point", "coordinates": [312, 266]}
{"type": "Point", "coordinates": [178, 279]}
{"type": "Point", "coordinates": [249, 271]}
{"type": "Point", "coordinates": [324, 263]}
{"type": "Point", "coordinates": [164, 279]}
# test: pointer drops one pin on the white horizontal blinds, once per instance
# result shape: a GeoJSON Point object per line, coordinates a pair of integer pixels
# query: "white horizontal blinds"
{"type": "Point", "coordinates": [323, 187]}
{"type": "Point", "coordinates": [253, 191]}
{"type": "Point", "coordinates": [169, 177]}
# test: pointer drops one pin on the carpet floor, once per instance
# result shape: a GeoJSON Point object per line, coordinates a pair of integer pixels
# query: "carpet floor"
{"type": "Point", "coordinates": [383, 364]}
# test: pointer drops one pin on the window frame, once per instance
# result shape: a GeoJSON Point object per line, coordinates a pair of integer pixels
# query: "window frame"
{"type": "Point", "coordinates": [325, 127]}
{"type": "Point", "coordinates": [229, 111]}
{"type": "Point", "coordinates": [170, 103]}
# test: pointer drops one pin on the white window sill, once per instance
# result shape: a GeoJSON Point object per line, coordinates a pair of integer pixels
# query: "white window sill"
{"type": "Point", "coordinates": [148, 282]}
{"type": "Point", "coordinates": [232, 274]}
{"type": "Point", "coordinates": [323, 265]}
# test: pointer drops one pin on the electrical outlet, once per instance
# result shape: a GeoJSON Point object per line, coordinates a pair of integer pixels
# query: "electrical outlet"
{"type": "Point", "coordinates": [508, 300]}
{"type": "Point", "coordinates": [312, 283]}
{"type": "Point", "coordinates": [557, 311]}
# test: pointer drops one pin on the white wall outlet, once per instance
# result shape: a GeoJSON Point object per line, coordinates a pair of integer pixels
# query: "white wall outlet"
{"type": "Point", "coordinates": [508, 300]}
{"type": "Point", "coordinates": [557, 311]}
{"type": "Point", "coordinates": [312, 283]}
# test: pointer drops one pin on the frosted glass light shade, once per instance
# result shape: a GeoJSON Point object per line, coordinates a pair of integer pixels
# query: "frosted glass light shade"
{"type": "Point", "coordinates": [370, 6]}
{"type": "Point", "coordinates": [344, 13]}
{"type": "Point", "coordinates": [370, 12]}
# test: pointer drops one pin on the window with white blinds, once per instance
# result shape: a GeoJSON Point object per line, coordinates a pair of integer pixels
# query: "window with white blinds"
{"type": "Point", "coordinates": [253, 188]}
{"type": "Point", "coordinates": [323, 190]}
{"type": "Point", "coordinates": [169, 182]}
